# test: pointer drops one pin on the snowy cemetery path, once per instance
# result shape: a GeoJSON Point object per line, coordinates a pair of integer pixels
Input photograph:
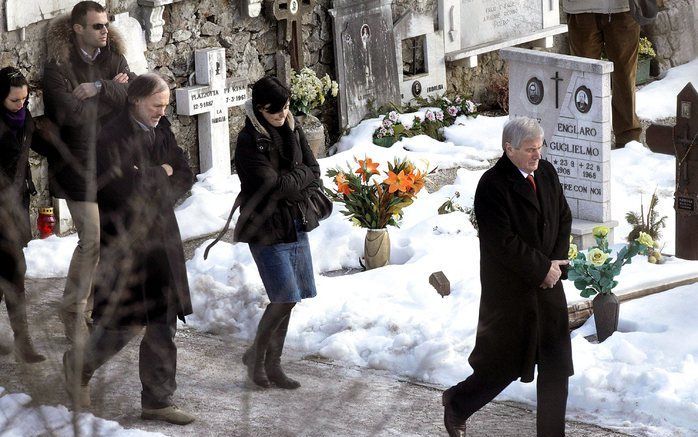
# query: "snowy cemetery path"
{"type": "Point", "coordinates": [642, 380]}
{"type": "Point", "coordinates": [334, 399]}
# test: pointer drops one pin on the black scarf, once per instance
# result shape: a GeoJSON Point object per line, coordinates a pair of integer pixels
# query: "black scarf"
{"type": "Point", "coordinates": [283, 140]}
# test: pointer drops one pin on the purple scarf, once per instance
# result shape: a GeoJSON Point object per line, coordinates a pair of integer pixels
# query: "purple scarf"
{"type": "Point", "coordinates": [15, 120]}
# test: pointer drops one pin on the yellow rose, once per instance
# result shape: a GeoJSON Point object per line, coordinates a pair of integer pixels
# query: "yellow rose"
{"type": "Point", "coordinates": [597, 256]}
{"type": "Point", "coordinates": [600, 231]}
{"type": "Point", "coordinates": [572, 253]}
{"type": "Point", "coordinates": [645, 240]}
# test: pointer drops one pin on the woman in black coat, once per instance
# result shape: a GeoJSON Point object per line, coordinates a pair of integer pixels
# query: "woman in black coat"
{"type": "Point", "coordinates": [16, 129]}
{"type": "Point", "coordinates": [277, 172]}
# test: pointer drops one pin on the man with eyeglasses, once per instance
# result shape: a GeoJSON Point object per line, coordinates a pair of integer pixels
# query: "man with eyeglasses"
{"type": "Point", "coordinates": [85, 83]}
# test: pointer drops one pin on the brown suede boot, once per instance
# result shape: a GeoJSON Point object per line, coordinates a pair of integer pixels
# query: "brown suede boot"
{"type": "Point", "coordinates": [272, 363]}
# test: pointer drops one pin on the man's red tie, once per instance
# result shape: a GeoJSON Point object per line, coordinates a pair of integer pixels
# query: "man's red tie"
{"type": "Point", "coordinates": [530, 180]}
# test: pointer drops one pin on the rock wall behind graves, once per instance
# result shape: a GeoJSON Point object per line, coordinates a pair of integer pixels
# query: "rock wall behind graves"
{"type": "Point", "coordinates": [250, 44]}
{"type": "Point", "coordinates": [675, 33]}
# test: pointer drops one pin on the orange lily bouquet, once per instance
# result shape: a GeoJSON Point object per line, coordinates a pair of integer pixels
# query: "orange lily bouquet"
{"type": "Point", "coordinates": [373, 201]}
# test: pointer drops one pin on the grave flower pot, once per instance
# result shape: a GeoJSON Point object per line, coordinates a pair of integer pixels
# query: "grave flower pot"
{"type": "Point", "coordinates": [606, 308]}
{"type": "Point", "coordinates": [376, 248]}
{"type": "Point", "coordinates": [314, 133]}
{"type": "Point", "coordinates": [643, 70]}
{"type": "Point", "coordinates": [384, 141]}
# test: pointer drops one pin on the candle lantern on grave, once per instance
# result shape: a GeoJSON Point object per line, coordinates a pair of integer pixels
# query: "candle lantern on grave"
{"type": "Point", "coordinates": [681, 141]}
{"type": "Point", "coordinates": [45, 222]}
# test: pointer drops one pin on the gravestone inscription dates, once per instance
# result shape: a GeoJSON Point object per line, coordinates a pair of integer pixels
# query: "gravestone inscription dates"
{"type": "Point", "coordinates": [571, 99]}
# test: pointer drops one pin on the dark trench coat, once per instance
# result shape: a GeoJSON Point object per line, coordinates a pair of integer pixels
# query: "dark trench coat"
{"type": "Point", "coordinates": [15, 227]}
{"type": "Point", "coordinates": [141, 277]}
{"type": "Point", "coordinates": [520, 324]}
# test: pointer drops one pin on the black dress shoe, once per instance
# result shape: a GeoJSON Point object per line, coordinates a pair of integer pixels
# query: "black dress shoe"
{"type": "Point", "coordinates": [455, 425]}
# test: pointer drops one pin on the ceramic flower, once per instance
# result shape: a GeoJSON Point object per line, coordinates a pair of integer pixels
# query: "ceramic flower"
{"type": "Point", "coordinates": [597, 257]}
{"type": "Point", "coordinates": [600, 231]}
{"type": "Point", "coordinates": [645, 240]}
{"type": "Point", "coordinates": [572, 252]}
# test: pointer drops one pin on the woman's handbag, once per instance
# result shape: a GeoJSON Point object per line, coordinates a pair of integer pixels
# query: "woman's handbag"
{"type": "Point", "coordinates": [320, 203]}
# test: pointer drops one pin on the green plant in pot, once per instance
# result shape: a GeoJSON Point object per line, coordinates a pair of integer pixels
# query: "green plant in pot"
{"type": "Point", "coordinates": [645, 55]}
{"type": "Point", "coordinates": [594, 274]}
{"type": "Point", "coordinates": [650, 224]}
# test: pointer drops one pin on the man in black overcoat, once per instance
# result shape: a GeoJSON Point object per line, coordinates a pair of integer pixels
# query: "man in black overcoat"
{"type": "Point", "coordinates": [524, 227]}
{"type": "Point", "coordinates": [141, 278]}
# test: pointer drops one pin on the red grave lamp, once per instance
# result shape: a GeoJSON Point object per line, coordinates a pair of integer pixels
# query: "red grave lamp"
{"type": "Point", "coordinates": [45, 222]}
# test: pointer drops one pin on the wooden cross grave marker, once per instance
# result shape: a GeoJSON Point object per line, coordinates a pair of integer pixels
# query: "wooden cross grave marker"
{"type": "Point", "coordinates": [210, 100]}
{"type": "Point", "coordinates": [292, 12]}
{"type": "Point", "coordinates": [681, 141]}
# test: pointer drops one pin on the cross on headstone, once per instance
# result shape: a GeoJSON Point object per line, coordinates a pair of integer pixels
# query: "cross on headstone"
{"type": "Point", "coordinates": [292, 12]}
{"type": "Point", "coordinates": [557, 80]}
{"type": "Point", "coordinates": [681, 141]}
{"type": "Point", "coordinates": [210, 101]}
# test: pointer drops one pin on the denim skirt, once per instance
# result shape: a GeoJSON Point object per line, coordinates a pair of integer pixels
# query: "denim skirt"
{"type": "Point", "coordinates": [286, 269]}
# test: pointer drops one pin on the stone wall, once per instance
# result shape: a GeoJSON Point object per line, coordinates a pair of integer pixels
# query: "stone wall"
{"type": "Point", "coordinates": [674, 34]}
{"type": "Point", "coordinates": [250, 43]}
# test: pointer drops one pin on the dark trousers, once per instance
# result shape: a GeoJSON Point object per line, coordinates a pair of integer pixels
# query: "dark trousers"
{"type": "Point", "coordinates": [617, 35]}
{"type": "Point", "coordinates": [478, 390]}
{"type": "Point", "coordinates": [157, 362]}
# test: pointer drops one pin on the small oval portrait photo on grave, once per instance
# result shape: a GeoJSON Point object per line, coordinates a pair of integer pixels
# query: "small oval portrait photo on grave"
{"type": "Point", "coordinates": [293, 7]}
{"type": "Point", "coordinates": [534, 90]}
{"type": "Point", "coordinates": [417, 88]}
{"type": "Point", "coordinates": [365, 32]}
{"type": "Point", "coordinates": [582, 99]}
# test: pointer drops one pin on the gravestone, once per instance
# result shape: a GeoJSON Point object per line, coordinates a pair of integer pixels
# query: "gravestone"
{"type": "Point", "coordinates": [440, 282]}
{"type": "Point", "coordinates": [364, 46]}
{"type": "Point", "coordinates": [431, 82]}
{"type": "Point", "coordinates": [134, 37]}
{"type": "Point", "coordinates": [291, 13]}
{"type": "Point", "coordinates": [681, 141]}
{"type": "Point", "coordinates": [21, 13]}
{"type": "Point", "coordinates": [473, 27]}
{"type": "Point", "coordinates": [210, 102]}
{"type": "Point", "coordinates": [571, 98]}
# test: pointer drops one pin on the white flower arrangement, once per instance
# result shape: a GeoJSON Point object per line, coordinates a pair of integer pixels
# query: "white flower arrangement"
{"type": "Point", "coordinates": [309, 91]}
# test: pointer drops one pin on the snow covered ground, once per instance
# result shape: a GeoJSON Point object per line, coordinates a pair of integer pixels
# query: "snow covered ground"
{"type": "Point", "coordinates": [642, 380]}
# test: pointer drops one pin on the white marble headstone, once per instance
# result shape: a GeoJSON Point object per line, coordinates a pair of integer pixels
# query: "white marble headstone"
{"type": "Point", "coordinates": [210, 102]}
{"type": "Point", "coordinates": [134, 36]}
{"type": "Point", "coordinates": [433, 81]}
{"type": "Point", "coordinates": [473, 27]}
{"type": "Point", "coordinates": [571, 98]}
{"type": "Point", "coordinates": [21, 13]}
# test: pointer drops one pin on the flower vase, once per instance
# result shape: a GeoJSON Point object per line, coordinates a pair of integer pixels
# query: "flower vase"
{"type": "Point", "coordinates": [606, 308]}
{"type": "Point", "coordinates": [314, 132]}
{"type": "Point", "coordinates": [376, 248]}
{"type": "Point", "coordinates": [643, 71]}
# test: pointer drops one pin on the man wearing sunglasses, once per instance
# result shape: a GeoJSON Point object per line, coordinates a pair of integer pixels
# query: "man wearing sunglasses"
{"type": "Point", "coordinates": [85, 83]}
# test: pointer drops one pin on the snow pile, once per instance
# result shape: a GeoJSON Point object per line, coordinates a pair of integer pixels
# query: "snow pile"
{"type": "Point", "coordinates": [18, 418]}
{"type": "Point", "coordinates": [657, 100]}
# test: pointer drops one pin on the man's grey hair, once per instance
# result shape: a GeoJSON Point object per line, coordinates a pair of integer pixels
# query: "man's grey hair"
{"type": "Point", "coordinates": [146, 85]}
{"type": "Point", "coordinates": [519, 129]}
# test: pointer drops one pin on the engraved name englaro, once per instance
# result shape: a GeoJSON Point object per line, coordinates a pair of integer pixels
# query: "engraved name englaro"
{"type": "Point", "coordinates": [534, 90]}
{"type": "Point", "coordinates": [582, 99]}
